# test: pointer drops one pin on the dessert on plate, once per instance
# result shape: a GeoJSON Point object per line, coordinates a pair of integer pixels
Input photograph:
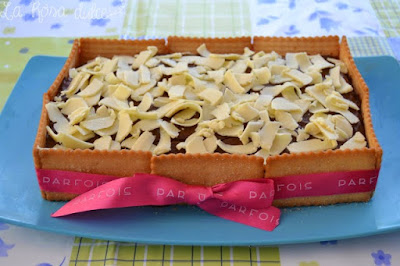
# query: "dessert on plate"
{"type": "Point", "coordinates": [208, 111]}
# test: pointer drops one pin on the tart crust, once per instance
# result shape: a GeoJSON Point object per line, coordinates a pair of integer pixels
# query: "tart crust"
{"type": "Point", "coordinates": [211, 169]}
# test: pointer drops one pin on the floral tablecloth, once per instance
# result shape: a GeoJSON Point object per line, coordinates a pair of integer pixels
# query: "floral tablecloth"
{"type": "Point", "coordinates": [32, 27]}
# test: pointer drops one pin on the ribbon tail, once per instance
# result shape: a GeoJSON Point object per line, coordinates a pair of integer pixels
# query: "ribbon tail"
{"type": "Point", "coordinates": [264, 218]}
{"type": "Point", "coordinates": [119, 193]}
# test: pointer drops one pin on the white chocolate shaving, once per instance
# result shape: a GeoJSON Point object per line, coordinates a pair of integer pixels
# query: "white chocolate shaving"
{"type": "Point", "coordinates": [212, 96]}
{"type": "Point", "coordinates": [144, 56]}
{"type": "Point", "coordinates": [128, 143]}
{"type": "Point", "coordinates": [246, 112]}
{"type": "Point", "coordinates": [60, 122]}
{"type": "Point", "coordinates": [78, 115]}
{"type": "Point", "coordinates": [144, 74]}
{"type": "Point", "coordinates": [286, 120]}
{"type": "Point", "coordinates": [202, 50]}
{"type": "Point", "coordinates": [356, 142]}
{"type": "Point", "coordinates": [110, 130]}
{"type": "Point", "coordinates": [267, 134]}
{"type": "Point", "coordinates": [171, 130]}
{"type": "Point", "coordinates": [122, 92]}
{"type": "Point", "coordinates": [335, 75]}
{"type": "Point", "coordinates": [196, 145]}
{"type": "Point", "coordinates": [164, 145]}
{"type": "Point", "coordinates": [176, 92]}
{"type": "Point", "coordinates": [144, 142]}
{"type": "Point", "coordinates": [146, 103]}
{"type": "Point", "coordinates": [99, 123]}
{"type": "Point", "coordinates": [231, 82]}
{"type": "Point", "coordinates": [311, 145]}
{"type": "Point", "coordinates": [69, 141]}
{"type": "Point", "coordinates": [281, 141]}
{"type": "Point", "coordinates": [73, 86]}
{"type": "Point", "coordinates": [262, 75]}
{"type": "Point", "coordinates": [319, 62]}
{"type": "Point", "coordinates": [343, 67]}
{"type": "Point", "coordinates": [316, 77]}
{"type": "Point", "coordinates": [109, 66]}
{"type": "Point", "coordinates": [124, 127]}
{"type": "Point", "coordinates": [262, 102]}
{"type": "Point", "coordinates": [217, 75]}
{"type": "Point", "coordinates": [115, 146]}
{"type": "Point", "coordinates": [251, 127]}
{"type": "Point", "coordinates": [92, 89]}
{"type": "Point", "coordinates": [210, 143]}
{"type": "Point", "coordinates": [131, 78]}
{"type": "Point", "coordinates": [291, 61]}
{"type": "Point", "coordinates": [71, 105]}
{"type": "Point", "coordinates": [304, 79]}
{"type": "Point", "coordinates": [103, 143]}
{"type": "Point", "coordinates": [342, 126]}
{"type": "Point", "coordinates": [114, 103]}
{"type": "Point", "coordinates": [344, 86]}
{"type": "Point", "coordinates": [302, 135]}
{"type": "Point", "coordinates": [239, 149]}
{"type": "Point", "coordinates": [325, 126]}
{"type": "Point", "coordinates": [303, 61]}
{"type": "Point", "coordinates": [283, 104]}
{"type": "Point", "coordinates": [233, 131]}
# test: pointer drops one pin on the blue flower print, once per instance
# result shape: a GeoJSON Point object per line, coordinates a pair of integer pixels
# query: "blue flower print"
{"type": "Point", "coordinates": [25, 2]}
{"type": "Point", "coordinates": [328, 24]}
{"type": "Point", "coordinates": [356, 10]}
{"type": "Point", "coordinates": [321, 1]}
{"type": "Point", "coordinates": [24, 50]}
{"type": "Point", "coordinates": [4, 247]}
{"type": "Point", "coordinates": [317, 14]}
{"type": "Point", "coordinates": [48, 264]}
{"type": "Point", "coordinates": [56, 26]}
{"type": "Point", "coordinates": [292, 30]}
{"type": "Point", "coordinates": [262, 21]}
{"type": "Point", "coordinates": [380, 258]}
{"type": "Point", "coordinates": [372, 30]}
{"type": "Point", "coordinates": [117, 2]}
{"type": "Point", "coordinates": [292, 4]}
{"type": "Point", "coordinates": [30, 17]}
{"type": "Point", "coordinates": [341, 5]}
{"type": "Point", "coordinates": [84, 0]}
{"type": "Point", "coordinates": [101, 22]}
{"type": "Point", "coordinates": [359, 32]}
{"type": "Point", "coordinates": [326, 243]}
{"type": "Point", "coordinates": [3, 226]}
{"type": "Point", "coordinates": [266, 1]}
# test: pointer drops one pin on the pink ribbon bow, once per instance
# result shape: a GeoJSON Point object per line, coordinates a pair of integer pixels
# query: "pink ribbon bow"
{"type": "Point", "coordinates": [247, 202]}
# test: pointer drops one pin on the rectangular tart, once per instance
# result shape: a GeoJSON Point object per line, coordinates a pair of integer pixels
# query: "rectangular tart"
{"type": "Point", "coordinates": [208, 169]}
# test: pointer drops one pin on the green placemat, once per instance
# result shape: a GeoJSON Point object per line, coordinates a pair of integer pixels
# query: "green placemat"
{"type": "Point", "coordinates": [16, 52]}
{"type": "Point", "coordinates": [98, 252]}
{"type": "Point", "coordinates": [156, 18]}
{"type": "Point", "coordinates": [388, 13]}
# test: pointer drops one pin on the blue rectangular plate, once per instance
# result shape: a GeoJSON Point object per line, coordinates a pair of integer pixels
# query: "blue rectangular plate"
{"type": "Point", "coordinates": [22, 204]}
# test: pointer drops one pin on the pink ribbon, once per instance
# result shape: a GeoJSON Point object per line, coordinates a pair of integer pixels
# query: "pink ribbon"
{"type": "Point", "coordinates": [247, 202]}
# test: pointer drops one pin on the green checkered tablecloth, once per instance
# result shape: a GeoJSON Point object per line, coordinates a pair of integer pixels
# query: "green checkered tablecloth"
{"type": "Point", "coordinates": [98, 252]}
{"type": "Point", "coordinates": [388, 13]}
{"type": "Point", "coordinates": [161, 18]}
